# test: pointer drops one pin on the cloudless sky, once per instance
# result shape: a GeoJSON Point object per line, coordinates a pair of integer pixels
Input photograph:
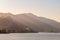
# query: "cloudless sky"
{"type": "Point", "coordinates": [44, 8]}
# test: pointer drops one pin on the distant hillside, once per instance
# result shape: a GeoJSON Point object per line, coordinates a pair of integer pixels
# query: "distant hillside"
{"type": "Point", "coordinates": [27, 22]}
{"type": "Point", "coordinates": [34, 22]}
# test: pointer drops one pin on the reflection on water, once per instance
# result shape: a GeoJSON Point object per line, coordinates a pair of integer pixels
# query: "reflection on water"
{"type": "Point", "coordinates": [30, 36]}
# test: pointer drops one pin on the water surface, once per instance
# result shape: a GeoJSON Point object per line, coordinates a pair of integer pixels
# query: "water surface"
{"type": "Point", "coordinates": [30, 36]}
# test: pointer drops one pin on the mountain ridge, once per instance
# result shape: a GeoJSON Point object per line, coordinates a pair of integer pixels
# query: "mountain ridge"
{"type": "Point", "coordinates": [21, 22]}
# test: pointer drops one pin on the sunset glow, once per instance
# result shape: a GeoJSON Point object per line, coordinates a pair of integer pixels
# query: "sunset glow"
{"type": "Point", "coordinates": [45, 8]}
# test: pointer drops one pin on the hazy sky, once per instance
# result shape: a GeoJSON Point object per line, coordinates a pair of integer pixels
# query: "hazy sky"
{"type": "Point", "coordinates": [45, 8]}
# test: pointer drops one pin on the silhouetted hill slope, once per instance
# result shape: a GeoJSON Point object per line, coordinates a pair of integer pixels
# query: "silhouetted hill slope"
{"type": "Point", "coordinates": [34, 22]}
{"type": "Point", "coordinates": [27, 23]}
{"type": "Point", "coordinates": [7, 23]}
{"type": "Point", "coordinates": [50, 22]}
{"type": "Point", "coordinates": [45, 20]}
{"type": "Point", "coordinates": [5, 20]}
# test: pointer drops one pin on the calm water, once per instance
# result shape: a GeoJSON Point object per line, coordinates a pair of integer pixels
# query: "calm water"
{"type": "Point", "coordinates": [30, 36]}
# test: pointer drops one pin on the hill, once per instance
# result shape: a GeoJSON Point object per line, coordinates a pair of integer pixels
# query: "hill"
{"type": "Point", "coordinates": [27, 22]}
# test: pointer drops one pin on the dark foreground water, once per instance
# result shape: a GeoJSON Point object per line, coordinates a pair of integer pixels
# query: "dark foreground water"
{"type": "Point", "coordinates": [30, 36]}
